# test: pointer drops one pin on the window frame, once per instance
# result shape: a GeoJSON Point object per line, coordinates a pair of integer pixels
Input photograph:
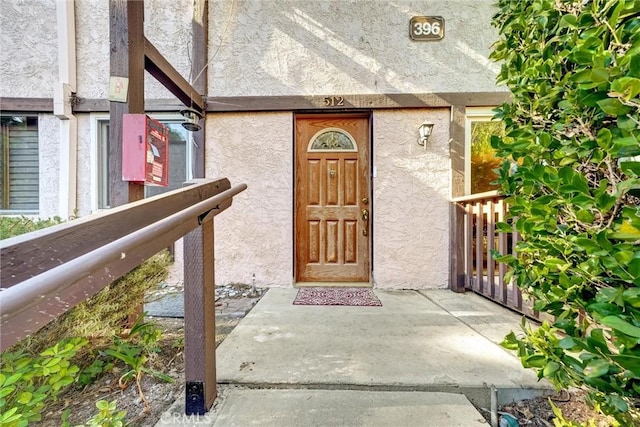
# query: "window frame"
{"type": "Point", "coordinates": [4, 158]}
{"type": "Point", "coordinates": [472, 114]}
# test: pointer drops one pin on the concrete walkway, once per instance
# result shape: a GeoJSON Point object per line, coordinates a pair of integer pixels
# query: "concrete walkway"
{"type": "Point", "coordinates": [420, 359]}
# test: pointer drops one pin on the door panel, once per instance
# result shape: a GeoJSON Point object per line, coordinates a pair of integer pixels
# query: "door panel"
{"type": "Point", "coordinates": [332, 190]}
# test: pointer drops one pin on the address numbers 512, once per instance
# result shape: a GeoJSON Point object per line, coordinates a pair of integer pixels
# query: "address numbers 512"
{"type": "Point", "coordinates": [426, 28]}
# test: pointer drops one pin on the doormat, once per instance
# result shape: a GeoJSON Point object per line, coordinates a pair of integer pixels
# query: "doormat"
{"type": "Point", "coordinates": [336, 296]}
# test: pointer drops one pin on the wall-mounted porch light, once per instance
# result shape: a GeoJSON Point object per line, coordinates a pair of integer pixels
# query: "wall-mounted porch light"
{"type": "Point", "coordinates": [192, 117]}
{"type": "Point", "coordinates": [425, 131]}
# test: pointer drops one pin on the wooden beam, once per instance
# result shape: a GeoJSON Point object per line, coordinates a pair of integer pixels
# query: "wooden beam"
{"type": "Point", "coordinates": [456, 247]}
{"type": "Point", "coordinates": [354, 101]}
{"type": "Point", "coordinates": [90, 105]}
{"type": "Point", "coordinates": [163, 71]}
{"type": "Point", "coordinates": [126, 36]}
{"type": "Point", "coordinates": [305, 103]}
{"type": "Point", "coordinates": [27, 105]}
{"type": "Point", "coordinates": [199, 73]}
{"type": "Point", "coordinates": [457, 149]}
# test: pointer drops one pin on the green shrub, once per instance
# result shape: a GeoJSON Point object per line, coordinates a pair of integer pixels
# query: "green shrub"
{"type": "Point", "coordinates": [14, 226]}
{"type": "Point", "coordinates": [573, 68]}
{"type": "Point", "coordinates": [28, 382]}
{"type": "Point", "coordinates": [40, 367]}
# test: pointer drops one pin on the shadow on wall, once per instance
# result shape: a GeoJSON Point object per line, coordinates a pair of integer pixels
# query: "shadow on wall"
{"type": "Point", "coordinates": [342, 47]}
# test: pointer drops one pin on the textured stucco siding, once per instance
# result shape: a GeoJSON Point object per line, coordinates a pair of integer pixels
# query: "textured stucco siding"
{"type": "Point", "coordinates": [255, 234]}
{"type": "Point", "coordinates": [411, 200]}
{"type": "Point", "coordinates": [49, 158]}
{"type": "Point", "coordinates": [347, 47]}
{"type": "Point", "coordinates": [92, 48]}
{"type": "Point", "coordinates": [86, 163]}
{"type": "Point", "coordinates": [167, 26]}
{"type": "Point", "coordinates": [29, 53]}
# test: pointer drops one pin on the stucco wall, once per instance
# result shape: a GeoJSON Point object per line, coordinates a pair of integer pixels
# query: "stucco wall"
{"type": "Point", "coordinates": [347, 47]}
{"type": "Point", "coordinates": [49, 158]}
{"type": "Point", "coordinates": [255, 234]}
{"type": "Point", "coordinates": [264, 48]}
{"type": "Point", "coordinates": [167, 26]}
{"type": "Point", "coordinates": [411, 192]}
{"type": "Point", "coordinates": [92, 48]}
{"type": "Point", "coordinates": [29, 53]}
{"type": "Point", "coordinates": [85, 163]}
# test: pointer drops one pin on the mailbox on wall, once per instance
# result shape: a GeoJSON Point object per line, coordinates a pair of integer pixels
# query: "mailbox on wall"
{"type": "Point", "coordinates": [145, 150]}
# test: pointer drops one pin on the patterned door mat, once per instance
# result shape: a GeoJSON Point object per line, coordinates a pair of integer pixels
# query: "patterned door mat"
{"type": "Point", "coordinates": [337, 296]}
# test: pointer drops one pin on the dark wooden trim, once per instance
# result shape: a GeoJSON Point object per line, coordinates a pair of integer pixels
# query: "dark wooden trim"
{"type": "Point", "coordinates": [314, 103]}
{"type": "Point", "coordinates": [163, 71]}
{"type": "Point", "coordinates": [31, 105]}
{"type": "Point", "coordinates": [199, 78]}
{"type": "Point", "coordinates": [272, 103]}
{"type": "Point", "coordinates": [87, 105]}
{"type": "Point", "coordinates": [457, 149]}
{"type": "Point", "coordinates": [457, 248]}
{"type": "Point", "coordinates": [126, 36]}
{"type": "Point", "coordinates": [348, 102]}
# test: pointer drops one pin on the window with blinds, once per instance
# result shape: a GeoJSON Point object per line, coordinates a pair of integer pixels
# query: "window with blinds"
{"type": "Point", "coordinates": [19, 165]}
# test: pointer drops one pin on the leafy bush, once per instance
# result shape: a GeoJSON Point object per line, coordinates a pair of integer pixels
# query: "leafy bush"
{"type": "Point", "coordinates": [39, 368]}
{"type": "Point", "coordinates": [27, 383]}
{"type": "Point", "coordinates": [14, 226]}
{"type": "Point", "coordinates": [573, 68]}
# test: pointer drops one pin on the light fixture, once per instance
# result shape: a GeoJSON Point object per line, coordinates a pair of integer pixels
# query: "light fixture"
{"type": "Point", "coordinates": [425, 131]}
{"type": "Point", "coordinates": [192, 117]}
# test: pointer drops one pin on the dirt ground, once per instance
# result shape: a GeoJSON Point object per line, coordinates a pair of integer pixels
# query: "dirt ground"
{"type": "Point", "coordinates": [232, 306]}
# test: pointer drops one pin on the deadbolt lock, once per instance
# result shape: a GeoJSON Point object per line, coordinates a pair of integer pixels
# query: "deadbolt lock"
{"type": "Point", "coordinates": [365, 200]}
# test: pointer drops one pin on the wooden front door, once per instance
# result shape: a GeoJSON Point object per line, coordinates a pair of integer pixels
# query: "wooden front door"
{"type": "Point", "coordinates": [332, 200]}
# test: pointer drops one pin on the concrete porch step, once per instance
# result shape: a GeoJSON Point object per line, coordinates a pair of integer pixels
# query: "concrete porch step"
{"type": "Point", "coordinates": [422, 358]}
{"type": "Point", "coordinates": [286, 408]}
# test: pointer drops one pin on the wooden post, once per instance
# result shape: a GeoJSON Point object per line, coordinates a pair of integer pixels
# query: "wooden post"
{"type": "Point", "coordinates": [199, 73]}
{"type": "Point", "coordinates": [199, 319]}
{"type": "Point", "coordinates": [456, 248]}
{"type": "Point", "coordinates": [457, 150]}
{"type": "Point", "coordinates": [126, 35]}
{"type": "Point", "coordinates": [456, 212]}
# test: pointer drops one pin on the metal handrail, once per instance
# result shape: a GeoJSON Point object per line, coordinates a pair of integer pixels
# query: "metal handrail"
{"type": "Point", "coordinates": [28, 305]}
{"type": "Point", "coordinates": [25, 294]}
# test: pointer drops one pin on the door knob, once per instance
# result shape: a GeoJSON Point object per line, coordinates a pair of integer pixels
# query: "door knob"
{"type": "Point", "coordinates": [365, 214]}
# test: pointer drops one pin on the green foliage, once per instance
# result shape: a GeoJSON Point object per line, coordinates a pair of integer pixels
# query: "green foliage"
{"type": "Point", "coordinates": [14, 226]}
{"type": "Point", "coordinates": [27, 382]}
{"type": "Point", "coordinates": [573, 68]}
{"type": "Point", "coordinates": [483, 157]}
{"type": "Point", "coordinates": [103, 315]}
{"type": "Point", "coordinates": [561, 421]}
{"type": "Point", "coordinates": [134, 352]}
{"type": "Point", "coordinates": [108, 415]}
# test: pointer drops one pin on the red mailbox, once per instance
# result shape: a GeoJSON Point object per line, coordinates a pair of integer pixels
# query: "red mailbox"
{"type": "Point", "coordinates": [145, 150]}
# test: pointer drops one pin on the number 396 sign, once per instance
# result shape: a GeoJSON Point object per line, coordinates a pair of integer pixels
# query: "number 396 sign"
{"type": "Point", "coordinates": [426, 28]}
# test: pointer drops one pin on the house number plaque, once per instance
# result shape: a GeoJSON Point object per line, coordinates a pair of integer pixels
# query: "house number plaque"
{"type": "Point", "coordinates": [333, 101]}
{"type": "Point", "coordinates": [426, 28]}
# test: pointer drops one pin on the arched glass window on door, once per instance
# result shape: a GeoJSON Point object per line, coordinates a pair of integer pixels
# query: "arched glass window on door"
{"type": "Point", "coordinates": [332, 139]}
